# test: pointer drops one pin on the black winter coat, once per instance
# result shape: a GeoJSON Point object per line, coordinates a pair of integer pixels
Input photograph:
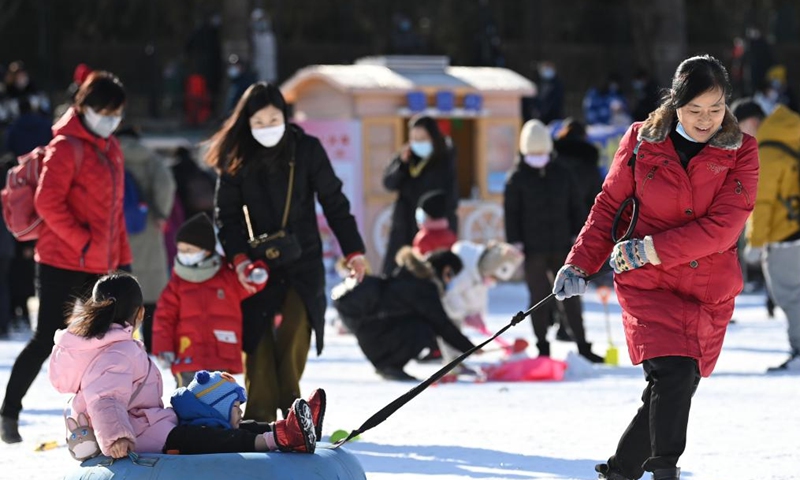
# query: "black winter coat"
{"type": "Point", "coordinates": [396, 178]}
{"type": "Point", "coordinates": [543, 208]}
{"type": "Point", "coordinates": [263, 190]}
{"type": "Point", "coordinates": [393, 318]}
{"type": "Point", "coordinates": [583, 159]}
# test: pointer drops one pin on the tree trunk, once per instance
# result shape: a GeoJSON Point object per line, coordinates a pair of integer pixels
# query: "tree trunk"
{"type": "Point", "coordinates": [659, 35]}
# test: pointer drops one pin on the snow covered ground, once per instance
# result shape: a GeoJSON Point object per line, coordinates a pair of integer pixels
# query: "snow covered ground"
{"type": "Point", "coordinates": [745, 424]}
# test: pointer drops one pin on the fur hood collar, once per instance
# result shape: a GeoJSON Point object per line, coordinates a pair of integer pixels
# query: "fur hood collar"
{"type": "Point", "coordinates": [659, 124]}
{"type": "Point", "coordinates": [416, 266]}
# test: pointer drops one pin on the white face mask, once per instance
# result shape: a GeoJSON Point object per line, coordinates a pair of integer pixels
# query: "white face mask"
{"type": "Point", "coordinates": [190, 259]}
{"type": "Point", "coordinates": [537, 161]}
{"type": "Point", "coordinates": [269, 136]}
{"type": "Point", "coordinates": [101, 125]}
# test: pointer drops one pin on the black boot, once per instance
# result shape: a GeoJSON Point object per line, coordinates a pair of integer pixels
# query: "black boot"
{"type": "Point", "coordinates": [667, 474]}
{"type": "Point", "coordinates": [605, 472]}
{"type": "Point", "coordinates": [544, 348]}
{"type": "Point", "coordinates": [9, 430]}
{"type": "Point", "coordinates": [585, 350]}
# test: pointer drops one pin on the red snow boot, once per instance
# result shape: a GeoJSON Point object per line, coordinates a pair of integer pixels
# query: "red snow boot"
{"type": "Point", "coordinates": [317, 402]}
{"type": "Point", "coordinates": [296, 433]}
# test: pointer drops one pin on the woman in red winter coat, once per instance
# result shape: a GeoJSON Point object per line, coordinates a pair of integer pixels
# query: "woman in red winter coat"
{"type": "Point", "coordinates": [695, 178]}
{"type": "Point", "coordinates": [79, 198]}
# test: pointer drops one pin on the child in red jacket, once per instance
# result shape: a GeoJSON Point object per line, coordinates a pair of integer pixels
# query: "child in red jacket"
{"type": "Point", "coordinates": [434, 229]}
{"type": "Point", "coordinates": [198, 319]}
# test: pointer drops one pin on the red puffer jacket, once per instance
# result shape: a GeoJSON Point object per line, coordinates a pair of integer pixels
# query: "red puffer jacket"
{"type": "Point", "coordinates": [201, 322]}
{"type": "Point", "coordinates": [682, 306]}
{"type": "Point", "coordinates": [82, 209]}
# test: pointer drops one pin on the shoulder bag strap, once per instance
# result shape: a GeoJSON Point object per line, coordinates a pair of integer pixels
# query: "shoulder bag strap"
{"type": "Point", "coordinates": [291, 188]}
{"type": "Point", "coordinates": [141, 385]}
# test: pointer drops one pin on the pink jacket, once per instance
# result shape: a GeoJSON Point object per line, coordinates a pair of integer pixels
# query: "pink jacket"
{"type": "Point", "coordinates": [103, 374]}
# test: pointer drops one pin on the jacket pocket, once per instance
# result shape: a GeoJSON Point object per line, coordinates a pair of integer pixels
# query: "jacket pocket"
{"type": "Point", "coordinates": [740, 190]}
{"type": "Point", "coordinates": [649, 176]}
{"type": "Point", "coordinates": [228, 344]}
{"type": "Point", "coordinates": [724, 278]}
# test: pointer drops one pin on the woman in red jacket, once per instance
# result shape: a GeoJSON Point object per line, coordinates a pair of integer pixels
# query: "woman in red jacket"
{"type": "Point", "coordinates": [79, 199]}
{"type": "Point", "coordinates": [695, 178]}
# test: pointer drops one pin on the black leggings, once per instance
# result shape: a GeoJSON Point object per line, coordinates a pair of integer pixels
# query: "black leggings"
{"type": "Point", "coordinates": [540, 271]}
{"type": "Point", "coordinates": [195, 439]}
{"type": "Point", "coordinates": [58, 288]}
{"type": "Point", "coordinates": [656, 437]}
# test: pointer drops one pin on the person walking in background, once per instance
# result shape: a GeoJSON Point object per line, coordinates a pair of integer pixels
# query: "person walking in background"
{"type": "Point", "coordinates": [198, 320]}
{"type": "Point", "coordinates": [195, 184]}
{"type": "Point", "coordinates": [79, 198]}
{"type": "Point", "coordinates": [678, 276]}
{"type": "Point", "coordinates": [773, 233]}
{"type": "Point", "coordinates": [434, 229]}
{"type": "Point", "coordinates": [271, 172]}
{"type": "Point", "coordinates": [30, 130]}
{"type": "Point", "coordinates": [423, 165]}
{"type": "Point", "coordinates": [549, 100]}
{"type": "Point", "coordinates": [544, 211]}
{"type": "Point", "coordinates": [573, 150]}
{"type": "Point", "coordinates": [156, 188]}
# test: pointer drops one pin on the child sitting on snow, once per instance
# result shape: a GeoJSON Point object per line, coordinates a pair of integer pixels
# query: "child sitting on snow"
{"type": "Point", "coordinates": [211, 405]}
{"type": "Point", "coordinates": [198, 319]}
{"type": "Point", "coordinates": [434, 229]}
{"type": "Point", "coordinates": [467, 297]}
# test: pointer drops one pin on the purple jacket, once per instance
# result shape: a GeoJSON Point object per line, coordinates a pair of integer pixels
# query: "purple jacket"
{"type": "Point", "coordinates": [103, 373]}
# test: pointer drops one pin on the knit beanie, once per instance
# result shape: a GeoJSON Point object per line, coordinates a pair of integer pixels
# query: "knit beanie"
{"type": "Point", "coordinates": [434, 204]}
{"type": "Point", "coordinates": [499, 260]}
{"type": "Point", "coordinates": [535, 138]}
{"type": "Point", "coordinates": [218, 390]}
{"type": "Point", "coordinates": [198, 231]}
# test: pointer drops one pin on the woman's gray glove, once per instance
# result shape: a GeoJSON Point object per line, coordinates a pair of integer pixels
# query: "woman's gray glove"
{"type": "Point", "coordinates": [569, 282]}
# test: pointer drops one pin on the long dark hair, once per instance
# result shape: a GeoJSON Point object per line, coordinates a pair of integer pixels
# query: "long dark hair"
{"type": "Point", "coordinates": [101, 90]}
{"type": "Point", "coordinates": [437, 139]}
{"type": "Point", "coordinates": [116, 299]}
{"type": "Point", "coordinates": [234, 143]}
{"type": "Point", "coordinates": [695, 76]}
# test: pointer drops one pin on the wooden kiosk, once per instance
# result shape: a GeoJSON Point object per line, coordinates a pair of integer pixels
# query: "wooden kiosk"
{"type": "Point", "coordinates": [360, 113]}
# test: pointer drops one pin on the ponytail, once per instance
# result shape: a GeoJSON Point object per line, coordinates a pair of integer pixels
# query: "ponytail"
{"type": "Point", "coordinates": [116, 299]}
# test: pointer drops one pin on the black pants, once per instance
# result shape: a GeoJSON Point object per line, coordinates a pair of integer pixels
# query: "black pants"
{"type": "Point", "coordinates": [58, 288]}
{"type": "Point", "coordinates": [656, 437]}
{"type": "Point", "coordinates": [195, 440]}
{"type": "Point", "coordinates": [540, 272]}
{"type": "Point", "coordinates": [5, 295]}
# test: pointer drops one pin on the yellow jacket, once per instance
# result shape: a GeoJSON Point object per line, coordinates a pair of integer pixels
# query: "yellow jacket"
{"type": "Point", "coordinates": [778, 195]}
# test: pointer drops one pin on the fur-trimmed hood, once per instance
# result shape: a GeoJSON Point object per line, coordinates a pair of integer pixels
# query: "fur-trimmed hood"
{"type": "Point", "coordinates": [417, 266]}
{"type": "Point", "coordinates": [661, 121]}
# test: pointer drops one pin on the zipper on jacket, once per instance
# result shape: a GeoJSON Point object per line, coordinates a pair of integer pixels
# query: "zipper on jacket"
{"type": "Point", "coordinates": [740, 189]}
{"type": "Point", "coordinates": [647, 178]}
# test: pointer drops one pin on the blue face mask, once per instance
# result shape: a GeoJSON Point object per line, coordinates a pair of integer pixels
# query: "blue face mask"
{"type": "Point", "coordinates": [682, 132]}
{"type": "Point", "coordinates": [422, 149]}
{"type": "Point", "coordinates": [419, 215]}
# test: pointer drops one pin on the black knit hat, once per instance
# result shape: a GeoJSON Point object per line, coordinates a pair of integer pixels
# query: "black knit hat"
{"type": "Point", "coordinates": [434, 204]}
{"type": "Point", "coordinates": [198, 231]}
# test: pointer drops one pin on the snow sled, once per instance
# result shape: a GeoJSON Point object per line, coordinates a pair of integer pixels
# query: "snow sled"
{"type": "Point", "coordinates": [526, 370]}
{"type": "Point", "coordinates": [324, 464]}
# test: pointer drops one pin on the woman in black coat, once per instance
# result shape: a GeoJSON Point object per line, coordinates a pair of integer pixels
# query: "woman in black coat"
{"type": "Point", "coordinates": [583, 158]}
{"type": "Point", "coordinates": [394, 317]}
{"type": "Point", "coordinates": [424, 164]}
{"type": "Point", "coordinates": [543, 214]}
{"type": "Point", "coordinates": [254, 153]}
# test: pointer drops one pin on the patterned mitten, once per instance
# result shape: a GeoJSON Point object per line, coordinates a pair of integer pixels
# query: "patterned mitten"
{"type": "Point", "coordinates": [633, 254]}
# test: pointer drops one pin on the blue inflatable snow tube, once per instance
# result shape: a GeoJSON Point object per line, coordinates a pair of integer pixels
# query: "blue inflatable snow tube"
{"type": "Point", "coordinates": [324, 464]}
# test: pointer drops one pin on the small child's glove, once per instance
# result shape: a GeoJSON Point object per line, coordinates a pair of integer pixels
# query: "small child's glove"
{"type": "Point", "coordinates": [633, 254]}
{"type": "Point", "coordinates": [166, 359]}
{"type": "Point", "coordinates": [569, 282]}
